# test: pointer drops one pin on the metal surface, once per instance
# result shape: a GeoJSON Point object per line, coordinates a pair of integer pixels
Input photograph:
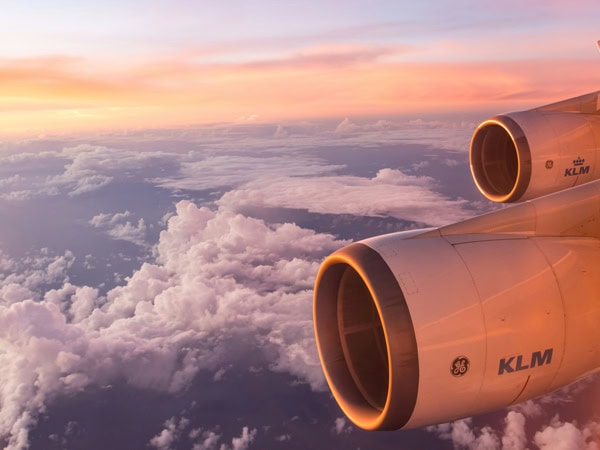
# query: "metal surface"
{"type": "Point", "coordinates": [424, 327]}
{"type": "Point", "coordinates": [523, 155]}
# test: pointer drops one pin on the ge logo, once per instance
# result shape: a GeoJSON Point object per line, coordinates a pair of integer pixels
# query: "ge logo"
{"type": "Point", "coordinates": [459, 366]}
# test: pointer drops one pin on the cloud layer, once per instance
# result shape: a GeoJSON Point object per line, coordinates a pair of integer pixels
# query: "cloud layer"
{"type": "Point", "coordinates": [226, 292]}
{"type": "Point", "coordinates": [390, 193]}
{"type": "Point", "coordinates": [223, 284]}
{"type": "Point", "coordinates": [532, 424]}
{"type": "Point", "coordinates": [269, 174]}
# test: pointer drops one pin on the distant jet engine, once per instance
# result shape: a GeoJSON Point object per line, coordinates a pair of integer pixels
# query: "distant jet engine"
{"type": "Point", "coordinates": [423, 327]}
{"type": "Point", "coordinates": [523, 155]}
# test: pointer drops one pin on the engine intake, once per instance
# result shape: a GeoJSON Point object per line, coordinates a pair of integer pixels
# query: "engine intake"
{"type": "Point", "coordinates": [523, 155]}
{"type": "Point", "coordinates": [362, 320]}
{"type": "Point", "coordinates": [500, 159]}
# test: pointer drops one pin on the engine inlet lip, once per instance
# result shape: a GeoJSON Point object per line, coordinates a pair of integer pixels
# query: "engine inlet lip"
{"type": "Point", "coordinates": [399, 335]}
{"type": "Point", "coordinates": [523, 153]}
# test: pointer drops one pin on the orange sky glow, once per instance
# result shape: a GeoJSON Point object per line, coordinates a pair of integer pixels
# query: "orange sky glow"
{"type": "Point", "coordinates": [112, 66]}
{"type": "Point", "coordinates": [50, 96]}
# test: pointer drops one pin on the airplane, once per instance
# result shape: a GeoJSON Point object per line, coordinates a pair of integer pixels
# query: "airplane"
{"type": "Point", "coordinates": [427, 326]}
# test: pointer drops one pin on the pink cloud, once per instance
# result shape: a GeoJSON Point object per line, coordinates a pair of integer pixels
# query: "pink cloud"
{"type": "Point", "coordinates": [221, 280]}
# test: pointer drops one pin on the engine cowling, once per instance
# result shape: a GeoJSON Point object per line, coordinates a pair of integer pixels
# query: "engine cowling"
{"type": "Point", "coordinates": [523, 155]}
{"type": "Point", "coordinates": [423, 327]}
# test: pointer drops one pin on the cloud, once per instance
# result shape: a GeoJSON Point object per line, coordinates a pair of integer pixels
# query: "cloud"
{"type": "Point", "coordinates": [515, 435]}
{"type": "Point", "coordinates": [221, 171]}
{"type": "Point", "coordinates": [75, 170]}
{"type": "Point", "coordinates": [441, 134]}
{"type": "Point", "coordinates": [93, 167]}
{"type": "Point", "coordinates": [224, 288]}
{"type": "Point", "coordinates": [223, 285]}
{"type": "Point", "coordinates": [170, 433]}
{"type": "Point", "coordinates": [347, 126]}
{"type": "Point", "coordinates": [242, 442]}
{"type": "Point", "coordinates": [568, 436]}
{"type": "Point", "coordinates": [209, 440]}
{"type": "Point", "coordinates": [175, 429]}
{"type": "Point", "coordinates": [514, 432]}
{"type": "Point", "coordinates": [117, 227]}
{"type": "Point", "coordinates": [463, 435]}
{"type": "Point", "coordinates": [33, 273]}
{"type": "Point", "coordinates": [390, 193]}
{"type": "Point", "coordinates": [18, 196]}
{"type": "Point", "coordinates": [10, 181]}
{"type": "Point", "coordinates": [341, 426]}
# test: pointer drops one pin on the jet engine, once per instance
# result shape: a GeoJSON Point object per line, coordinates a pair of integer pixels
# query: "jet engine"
{"type": "Point", "coordinates": [423, 327]}
{"type": "Point", "coordinates": [523, 155]}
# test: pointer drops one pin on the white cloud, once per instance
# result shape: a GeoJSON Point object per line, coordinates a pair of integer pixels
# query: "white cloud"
{"type": "Point", "coordinates": [223, 284]}
{"type": "Point", "coordinates": [89, 183]}
{"type": "Point", "coordinates": [10, 181]}
{"type": "Point", "coordinates": [129, 232]}
{"type": "Point", "coordinates": [242, 442]}
{"type": "Point", "coordinates": [14, 293]}
{"type": "Point", "coordinates": [93, 167]}
{"type": "Point", "coordinates": [209, 440]}
{"type": "Point", "coordinates": [530, 408]}
{"type": "Point", "coordinates": [341, 426]}
{"type": "Point", "coordinates": [557, 435]}
{"type": "Point", "coordinates": [164, 440]}
{"type": "Point", "coordinates": [19, 195]}
{"type": "Point", "coordinates": [568, 436]}
{"type": "Point", "coordinates": [117, 227]}
{"type": "Point", "coordinates": [231, 170]}
{"type": "Point", "coordinates": [390, 193]}
{"type": "Point", "coordinates": [104, 220]}
{"type": "Point", "coordinates": [170, 434]}
{"type": "Point", "coordinates": [34, 271]}
{"type": "Point", "coordinates": [445, 134]}
{"type": "Point", "coordinates": [85, 168]}
{"type": "Point", "coordinates": [346, 126]}
{"type": "Point", "coordinates": [514, 432]}
{"type": "Point", "coordinates": [464, 436]}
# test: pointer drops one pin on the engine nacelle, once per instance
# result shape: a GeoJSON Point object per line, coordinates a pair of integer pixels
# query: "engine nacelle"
{"type": "Point", "coordinates": [523, 155]}
{"type": "Point", "coordinates": [418, 328]}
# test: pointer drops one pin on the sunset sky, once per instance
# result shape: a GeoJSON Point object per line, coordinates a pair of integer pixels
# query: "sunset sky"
{"type": "Point", "coordinates": [70, 66]}
{"type": "Point", "coordinates": [173, 173]}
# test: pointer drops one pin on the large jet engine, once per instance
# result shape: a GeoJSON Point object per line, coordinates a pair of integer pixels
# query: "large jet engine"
{"type": "Point", "coordinates": [523, 155]}
{"type": "Point", "coordinates": [423, 327]}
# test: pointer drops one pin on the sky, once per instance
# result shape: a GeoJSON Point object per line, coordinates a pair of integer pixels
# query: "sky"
{"type": "Point", "coordinates": [69, 66]}
{"type": "Point", "coordinates": [172, 174]}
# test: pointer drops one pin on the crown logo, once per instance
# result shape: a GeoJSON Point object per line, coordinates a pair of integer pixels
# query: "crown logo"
{"type": "Point", "coordinates": [578, 162]}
